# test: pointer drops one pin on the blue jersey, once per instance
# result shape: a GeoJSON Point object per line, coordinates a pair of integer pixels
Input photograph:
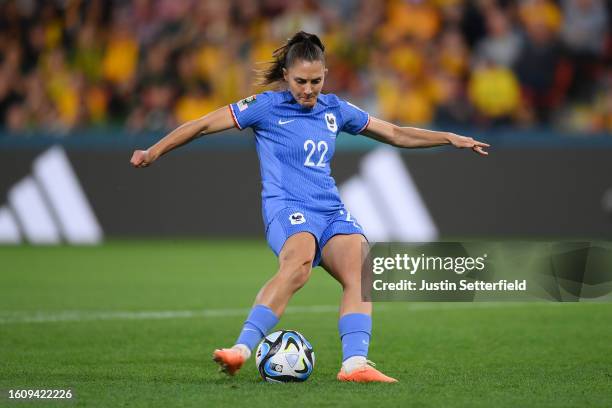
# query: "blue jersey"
{"type": "Point", "coordinates": [295, 146]}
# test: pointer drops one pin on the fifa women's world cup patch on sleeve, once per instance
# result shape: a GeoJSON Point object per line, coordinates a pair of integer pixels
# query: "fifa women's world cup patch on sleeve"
{"type": "Point", "coordinates": [244, 103]}
{"type": "Point", "coordinates": [249, 112]}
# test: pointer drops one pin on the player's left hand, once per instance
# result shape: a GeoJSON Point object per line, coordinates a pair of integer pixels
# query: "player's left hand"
{"type": "Point", "coordinates": [462, 142]}
{"type": "Point", "coordinates": [141, 158]}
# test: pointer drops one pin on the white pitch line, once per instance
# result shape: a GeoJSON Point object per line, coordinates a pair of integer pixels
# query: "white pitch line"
{"type": "Point", "coordinates": [88, 316]}
{"type": "Point", "coordinates": [85, 316]}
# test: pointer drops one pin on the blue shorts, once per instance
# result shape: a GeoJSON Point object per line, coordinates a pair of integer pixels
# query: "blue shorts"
{"type": "Point", "coordinates": [323, 226]}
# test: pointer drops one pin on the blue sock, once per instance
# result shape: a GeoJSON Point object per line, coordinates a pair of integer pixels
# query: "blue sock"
{"type": "Point", "coordinates": [260, 321]}
{"type": "Point", "coordinates": [355, 330]}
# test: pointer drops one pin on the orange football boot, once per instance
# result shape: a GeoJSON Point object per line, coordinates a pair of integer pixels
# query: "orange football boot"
{"type": "Point", "coordinates": [365, 374]}
{"type": "Point", "coordinates": [229, 359]}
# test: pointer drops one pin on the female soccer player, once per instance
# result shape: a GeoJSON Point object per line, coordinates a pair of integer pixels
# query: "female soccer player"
{"type": "Point", "coordinates": [306, 222]}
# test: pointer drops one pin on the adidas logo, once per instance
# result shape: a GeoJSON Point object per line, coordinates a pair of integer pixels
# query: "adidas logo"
{"type": "Point", "coordinates": [386, 202]}
{"type": "Point", "coordinates": [49, 206]}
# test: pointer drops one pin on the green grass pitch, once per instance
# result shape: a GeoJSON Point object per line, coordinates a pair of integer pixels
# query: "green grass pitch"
{"type": "Point", "coordinates": [134, 323]}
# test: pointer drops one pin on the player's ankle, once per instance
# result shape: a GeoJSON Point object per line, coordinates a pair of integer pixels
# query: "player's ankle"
{"type": "Point", "coordinates": [244, 350]}
{"type": "Point", "coordinates": [352, 363]}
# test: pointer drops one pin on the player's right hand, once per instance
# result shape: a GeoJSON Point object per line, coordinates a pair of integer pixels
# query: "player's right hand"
{"type": "Point", "coordinates": [141, 158]}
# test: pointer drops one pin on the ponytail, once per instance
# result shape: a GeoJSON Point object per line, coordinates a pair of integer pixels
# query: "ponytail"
{"type": "Point", "coordinates": [302, 46]}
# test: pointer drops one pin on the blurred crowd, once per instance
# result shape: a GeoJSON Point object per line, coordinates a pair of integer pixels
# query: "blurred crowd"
{"type": "Point", "coordinates": [148, 65]}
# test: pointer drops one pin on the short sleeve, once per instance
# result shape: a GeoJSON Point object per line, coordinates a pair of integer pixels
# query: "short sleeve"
{"type": "Point", "coordinates": [249, 112]}
{"type": "Point", "coordinates": [354, 119]}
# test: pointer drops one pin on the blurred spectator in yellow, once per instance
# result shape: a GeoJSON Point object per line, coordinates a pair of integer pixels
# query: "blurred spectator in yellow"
{"type": "Point", "coordinates": [407, 58]}
{"type": "Point", "coordinates": [121, 54]}
{"type": "Point", "coordinates": [452, 53]}
{"type": "Point", "coordinates": [227, 75]}
{"type": "Point", "coordinates": [63, 87]}
{"type": "Point", "coordinates": [261, 51]}
{"type": "Point", "coordinates": [541, 12]}
{"type": "Point", "coordinates": [209, 61]}
{"type": "Point", "coordinates": [96, 101]}
{"type": "Point", "coordinates": [194, 104]}
{"type": "Point", "coordinates": [404, 100]}
{"type": "Point", "coordinates": [88, 52]}
{"type": "Point", "coordinates": [494, 91]}
{"type": "Point", "coordinates": [52, 27]}
{"type": "Point", "coordinates": [418, 19]}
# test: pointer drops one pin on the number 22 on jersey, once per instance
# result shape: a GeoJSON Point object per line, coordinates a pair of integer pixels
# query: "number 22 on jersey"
{"type": "Point", "coordinates": [311, 147]}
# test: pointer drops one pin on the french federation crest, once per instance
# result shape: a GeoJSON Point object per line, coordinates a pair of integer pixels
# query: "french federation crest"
{"type": "Point", "coordinates": [330, 120]}
{"type": "Point", "coordinates": [297, 218]}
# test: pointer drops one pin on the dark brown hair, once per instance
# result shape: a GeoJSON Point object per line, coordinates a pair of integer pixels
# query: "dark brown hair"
{"type": "Point", "coordinates": [302, 46]}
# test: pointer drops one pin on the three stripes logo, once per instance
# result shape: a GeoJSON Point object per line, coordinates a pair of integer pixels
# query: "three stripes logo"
{"type": "Point", "coordinates": [49, 206]}
{"type": "Point", "coordinates": [386, 201]}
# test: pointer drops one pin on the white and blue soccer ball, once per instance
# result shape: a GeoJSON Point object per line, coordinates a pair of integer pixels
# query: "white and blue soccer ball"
{"type": "Point", "coordinates": [285, 356]}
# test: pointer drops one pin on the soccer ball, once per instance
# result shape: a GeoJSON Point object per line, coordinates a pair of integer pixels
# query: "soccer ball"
{"type": "Point", "coordinates": [285, 356]}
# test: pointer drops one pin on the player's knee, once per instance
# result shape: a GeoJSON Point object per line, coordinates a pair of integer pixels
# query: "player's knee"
{"type": "Point", "coordinates": [295, 269]}
{"type": "Point", "coordinates": [300, 276]}
{"type": "Point", "coordinates": [292, 258]}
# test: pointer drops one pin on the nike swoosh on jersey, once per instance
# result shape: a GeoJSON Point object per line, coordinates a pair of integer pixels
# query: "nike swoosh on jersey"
{"type": "Point", "coordinates": [281, 122]}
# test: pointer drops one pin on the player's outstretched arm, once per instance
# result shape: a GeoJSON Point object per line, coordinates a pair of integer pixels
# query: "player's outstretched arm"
{"type": "Point", "coordinates": [216, 121]}
{"type": "Point", "coordinates": [411, 137]}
